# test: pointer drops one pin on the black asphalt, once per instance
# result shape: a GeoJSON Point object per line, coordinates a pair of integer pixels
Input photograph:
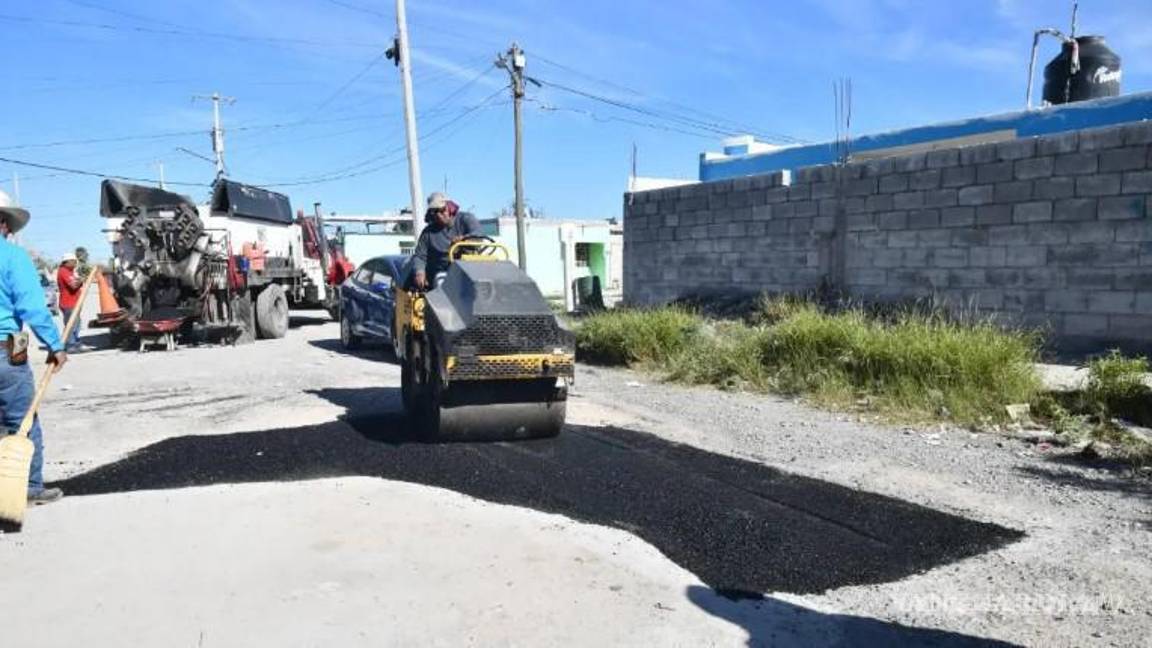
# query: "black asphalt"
{"type": "Point", "coordinates": [741, 527]}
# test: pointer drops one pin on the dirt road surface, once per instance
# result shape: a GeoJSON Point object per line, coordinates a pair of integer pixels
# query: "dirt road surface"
{"type": "Point", "coordinates": [272, 495]}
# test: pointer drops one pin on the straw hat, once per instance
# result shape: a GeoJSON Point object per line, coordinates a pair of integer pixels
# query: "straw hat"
{"type": "Point", "coordinates": [17, 218]}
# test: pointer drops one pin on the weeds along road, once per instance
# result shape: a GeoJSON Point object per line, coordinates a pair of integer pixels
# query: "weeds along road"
{"type": "Point", "coordinates": [272, 495]}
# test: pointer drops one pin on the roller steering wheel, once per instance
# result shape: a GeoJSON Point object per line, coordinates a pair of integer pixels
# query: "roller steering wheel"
{"type": "Point", "coordinates": [488, 249]}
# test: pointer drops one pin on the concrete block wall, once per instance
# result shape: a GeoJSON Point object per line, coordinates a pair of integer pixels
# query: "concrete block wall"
{"type": "Point", "coordinates": [1053, 232]}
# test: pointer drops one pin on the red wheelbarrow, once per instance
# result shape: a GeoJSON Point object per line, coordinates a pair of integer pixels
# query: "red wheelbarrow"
{"type": "Point", "coordinates": [159, 332]}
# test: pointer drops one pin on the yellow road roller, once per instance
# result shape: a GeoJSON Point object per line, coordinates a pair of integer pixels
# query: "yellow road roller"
{"type": "Point", "coordinates": [482, 355]}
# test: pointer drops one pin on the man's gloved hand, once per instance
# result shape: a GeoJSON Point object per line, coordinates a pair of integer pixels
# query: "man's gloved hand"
{"type": "Point", "coordinates": [58, 360]}
{"type": "Point", "coordinates": [421, 281]}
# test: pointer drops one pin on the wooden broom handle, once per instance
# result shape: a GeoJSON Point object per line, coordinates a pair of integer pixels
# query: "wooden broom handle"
{"type": "Point", "coordinates": [26, 424]}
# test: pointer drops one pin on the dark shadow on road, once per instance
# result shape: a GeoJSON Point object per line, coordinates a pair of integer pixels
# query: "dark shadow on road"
{"type": "Point", "coordinates": [297, 319]}
{"type": "Point", "coordinates": [773, 622]}
{"type": "Point", "coordinates": [368, 350]}
{"type": "Point", "coordinates": [1068, 471]}
{"type": "Point", "coordinates": [736, 524]}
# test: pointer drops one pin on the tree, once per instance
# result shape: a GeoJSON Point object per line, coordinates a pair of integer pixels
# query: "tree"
{"type": "Point", "coordinates": [509, 210]}
{"type": "Point", "coordinates": [82, 265]}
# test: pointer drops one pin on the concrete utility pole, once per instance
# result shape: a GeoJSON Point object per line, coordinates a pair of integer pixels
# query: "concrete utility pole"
{"type": "Point", "coordinates": [217, 129]}
{"type": "Point", "coordinates": [514, 63]}
{"type": "Point", "coordinates": [399, 54]}
{"type": "Point", "coordinates": [160, 164]}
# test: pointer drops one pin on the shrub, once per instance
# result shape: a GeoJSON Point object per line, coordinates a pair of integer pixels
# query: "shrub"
{"type": "Point", "coordinates": [923, 363]}
{"type": "Point", "coordinates": [1115, 384]}
{"type": "Point", "coordinates": [726, 354]}
{"type": "Point", "coordinates": [627, 336]}
{"type": "Point", "coordinates": [911, 364]}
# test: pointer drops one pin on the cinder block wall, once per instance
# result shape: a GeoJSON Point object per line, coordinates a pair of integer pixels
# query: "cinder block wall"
{"type": "Point", "coordinates": [1053, 232]}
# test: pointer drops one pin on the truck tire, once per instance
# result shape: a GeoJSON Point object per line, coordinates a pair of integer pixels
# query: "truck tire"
{"type": "Point", "coordinates": [272, 312]}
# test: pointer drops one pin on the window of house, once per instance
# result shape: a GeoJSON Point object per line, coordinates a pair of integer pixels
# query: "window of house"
{"type": "Point", "coordinates": [582, 253]}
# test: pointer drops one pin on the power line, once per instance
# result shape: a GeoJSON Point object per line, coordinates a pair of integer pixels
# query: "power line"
{"type": "Point", "coordinates": [348, 84]}
{"type": "Point", "coordinates": [357, 169]}
{"type": "Point", "coordinates": [601, 118]}
{"type": "Point", "coordinates": [717, 123]}
{"type": "Point", "coordinates": [361, 9]}
{"type": "Point", "coordinates": [121, 12]}
{"type": "Point", "coordinates": [82, 172]}
{"type": "Point", "coordinates": [718, 129]}
{"type": "Point", "coordinates": [278, 40]}
{"type": "Point", "coordinates": [174, 134]}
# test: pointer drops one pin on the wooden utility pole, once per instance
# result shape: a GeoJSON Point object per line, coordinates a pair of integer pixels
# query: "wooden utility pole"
{"type": "Point", "coordinates": [399, 53]}
{"type": "Point", "coordinates": [514, 63]}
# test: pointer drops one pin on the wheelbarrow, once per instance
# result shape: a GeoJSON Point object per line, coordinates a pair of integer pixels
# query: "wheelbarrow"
{"type": "Point", "coordinates": [159, 332]}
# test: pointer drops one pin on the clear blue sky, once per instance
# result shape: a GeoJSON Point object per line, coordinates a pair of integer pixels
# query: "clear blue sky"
{"type": "Point", "coordinates": [93, 69]}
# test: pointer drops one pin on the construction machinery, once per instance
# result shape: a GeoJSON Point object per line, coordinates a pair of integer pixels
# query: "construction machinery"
{"type": "Point", "coordinates": [482, 355]}
{"type": "Point", "coordinates": [233, 266]}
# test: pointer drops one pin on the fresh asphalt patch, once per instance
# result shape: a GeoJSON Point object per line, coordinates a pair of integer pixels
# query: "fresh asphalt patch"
{"type": "Point", "coordinates": [743, 528]}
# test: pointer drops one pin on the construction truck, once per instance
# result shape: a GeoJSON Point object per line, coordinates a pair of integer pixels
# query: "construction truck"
{"type": "Point", "coordinates": [482, 355]}
{"type": "Point", "coordinates": [228, 270]}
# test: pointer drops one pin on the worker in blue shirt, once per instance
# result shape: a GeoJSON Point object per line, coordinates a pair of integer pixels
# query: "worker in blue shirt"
{"type": "Point", "coordinates": [22, 302]}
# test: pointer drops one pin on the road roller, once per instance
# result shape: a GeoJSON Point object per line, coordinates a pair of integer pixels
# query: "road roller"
{"type": "Point", "coordinates": [482, 355]}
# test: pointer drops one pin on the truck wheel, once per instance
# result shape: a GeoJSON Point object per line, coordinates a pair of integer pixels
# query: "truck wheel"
{"type": "Point", "coordinates": [272, 312]}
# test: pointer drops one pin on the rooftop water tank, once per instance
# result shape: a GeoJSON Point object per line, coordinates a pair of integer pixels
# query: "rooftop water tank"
{"type": "Point", "coordinates": [1098, 76]}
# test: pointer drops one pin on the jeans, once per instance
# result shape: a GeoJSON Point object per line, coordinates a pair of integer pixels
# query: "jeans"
{"type": "Point", "coordinates": [73, 340]}
{"type": "Point", "coordinates": [17, 388]}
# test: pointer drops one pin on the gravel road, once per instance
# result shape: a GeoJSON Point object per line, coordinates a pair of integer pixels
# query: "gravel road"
{"type": "Point", "coordinates": [1080, 576]}
{"type": "Point", "coordinates": [321, 524]}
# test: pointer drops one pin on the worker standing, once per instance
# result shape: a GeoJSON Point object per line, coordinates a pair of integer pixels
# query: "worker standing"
{"type": "Point", "coordinates": [446, 225]}
{"type": "Point", "coordinates": [69, 282]}
{"type": "Point", "coordinates": [22, 302]}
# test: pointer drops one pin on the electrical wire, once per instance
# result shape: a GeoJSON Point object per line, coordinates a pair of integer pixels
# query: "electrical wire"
{"type": "Point", "coordinates": [600, 118]}
{"type": "Point", "coordinates": [357, 169]}
{"type": "Point", "coordinates": [724, 125]}
{"type": "Point", "coordinates": [82, 172]}
{"type": "Point", "coordinates": [361, 9]}
{"type": "Point", "coordinates": [710, 127]}
{"type": "Point", "coordinates": [174, 134]}
{"type": "Point", "coordinates": [276, 40]}
{"type": "Point", "coordinates": [347, 84]}
{"type": "Point", "coordinates": [121, 12]}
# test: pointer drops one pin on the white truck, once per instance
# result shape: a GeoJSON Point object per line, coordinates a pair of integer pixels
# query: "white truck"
{"type": "Point", "coordinates": [228, 270]}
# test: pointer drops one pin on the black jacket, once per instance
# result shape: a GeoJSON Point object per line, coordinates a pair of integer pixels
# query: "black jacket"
{"type": "Point", "coordinates": [431, 255]}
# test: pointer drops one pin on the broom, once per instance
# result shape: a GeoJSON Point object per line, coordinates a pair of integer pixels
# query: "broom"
{"type": "Point", "coordinates": [16, 449]}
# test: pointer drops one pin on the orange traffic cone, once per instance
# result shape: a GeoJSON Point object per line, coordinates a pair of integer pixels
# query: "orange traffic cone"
{"type": "Point", "coordinates": [110, 311]}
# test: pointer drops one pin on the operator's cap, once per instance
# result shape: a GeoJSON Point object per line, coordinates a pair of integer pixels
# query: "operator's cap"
{"type": "Point", "coordinates": [69, 257]}
{"type": "Point", "coordinates": [17, 218]}
{"type": "Point", "coordinates": [437, 200]}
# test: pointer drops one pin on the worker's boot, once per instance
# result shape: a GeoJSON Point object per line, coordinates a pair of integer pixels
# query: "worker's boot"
{"type": "Point", "coordinates": [45, 496]}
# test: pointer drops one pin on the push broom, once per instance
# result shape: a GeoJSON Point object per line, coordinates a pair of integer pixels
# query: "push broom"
{"type": "Point", "coordinates": [16, 449]}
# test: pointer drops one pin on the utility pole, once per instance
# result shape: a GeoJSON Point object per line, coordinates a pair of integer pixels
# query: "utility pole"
{"type": "Point", "coordinates": [399, 55]}
{"type": "Point", "coordinates": [217, 130]}
{"type": "Point", "coordinates": [16, 186]}
{"type": "Point", "coordinates": [160, 164]}
{"type": "Point", "coordinates": [514, 63]}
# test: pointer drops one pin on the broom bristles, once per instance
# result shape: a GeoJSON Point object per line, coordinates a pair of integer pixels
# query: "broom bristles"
{"type": "Point", "coordinates": [15, 462]}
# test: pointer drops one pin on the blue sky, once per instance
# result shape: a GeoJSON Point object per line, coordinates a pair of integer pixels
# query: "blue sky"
{"type": "Point", "coordinates": [311, 106]}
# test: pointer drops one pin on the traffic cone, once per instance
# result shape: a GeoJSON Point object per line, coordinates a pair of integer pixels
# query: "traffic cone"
{"type": "Point", "coordinates": [110, 310]}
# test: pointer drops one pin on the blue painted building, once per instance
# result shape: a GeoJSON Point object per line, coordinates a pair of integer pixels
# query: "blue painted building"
{"type": "Point", "coordinates": [745, 156]}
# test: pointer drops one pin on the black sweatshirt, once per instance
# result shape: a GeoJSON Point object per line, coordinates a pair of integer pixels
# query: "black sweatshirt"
{"type": "Point", "coordinates": [431, 256]}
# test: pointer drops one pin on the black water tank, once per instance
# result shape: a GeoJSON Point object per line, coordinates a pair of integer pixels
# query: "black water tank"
{"type": "Point", "coordinates": [1099, 74]}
